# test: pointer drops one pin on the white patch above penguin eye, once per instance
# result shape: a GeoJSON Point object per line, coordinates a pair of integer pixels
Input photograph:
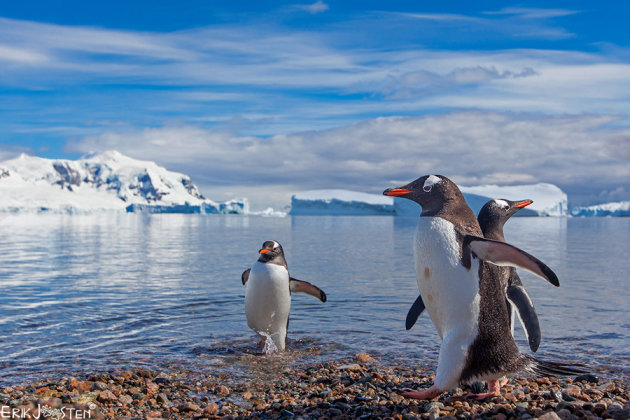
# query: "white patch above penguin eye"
{"type": "Point", "coordinates": [501, 203]}
{"type": "Point", "coordinates": [430, 182]}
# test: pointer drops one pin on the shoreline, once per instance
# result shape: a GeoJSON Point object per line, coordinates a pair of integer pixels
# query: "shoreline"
{"type": "Point", "coordinates": [354, 387]}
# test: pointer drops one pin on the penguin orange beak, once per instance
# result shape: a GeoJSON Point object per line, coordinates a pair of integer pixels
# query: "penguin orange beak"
{"type": "Point", "coordinates": [523, 203]}
{"type": "Point", "coordinates": [396, 192]}
{"type": "Point", "coordinates": [263, 251]}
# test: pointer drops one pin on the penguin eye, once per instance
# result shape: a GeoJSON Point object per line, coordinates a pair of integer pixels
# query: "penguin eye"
{"type": "Point", "coordinates": [427, 188]}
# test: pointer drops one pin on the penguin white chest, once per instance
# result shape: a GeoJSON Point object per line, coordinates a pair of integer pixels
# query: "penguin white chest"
{"type": "Point", "coordinates": [268, 299]}
{"type": "Point", "coordinates": [450, 292]}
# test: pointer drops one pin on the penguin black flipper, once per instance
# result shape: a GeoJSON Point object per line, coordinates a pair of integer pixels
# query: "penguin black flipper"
{"type": "Point", "coordinates": [245, 276]}
{"type": "Point", "coordinates": [504, 254]}
{"type": "Point", "coordinates": [527, 314]}
{"type": "Point", "coordinates": [300, 286]}
{"type": "Point", "coordinates": [414, 312]}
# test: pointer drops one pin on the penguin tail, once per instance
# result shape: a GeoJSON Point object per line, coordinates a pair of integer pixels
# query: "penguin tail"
{"type": "Point", "coordinates": [547, 368]}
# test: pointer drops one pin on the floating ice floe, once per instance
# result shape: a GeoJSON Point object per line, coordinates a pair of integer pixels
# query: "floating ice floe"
{"type": "Point", "coordinates": [615, 209]}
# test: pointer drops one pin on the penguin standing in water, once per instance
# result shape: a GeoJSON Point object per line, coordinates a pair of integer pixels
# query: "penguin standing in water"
{"type": "Point", "coordinates": [268, 294]}
{"type": "Point", "coordinates": [492, 218]}
{"type": "Point", "coordinates": [463, 293]}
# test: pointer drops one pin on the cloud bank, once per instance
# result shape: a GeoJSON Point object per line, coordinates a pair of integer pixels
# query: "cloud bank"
{"type": "Point", "coordinates": [584, 154]}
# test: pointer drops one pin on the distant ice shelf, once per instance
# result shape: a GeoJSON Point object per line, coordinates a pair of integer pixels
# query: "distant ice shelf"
{"type": "Point", "coordinates": [614, 209]}
{"type": "Point", "coordinates": [340, 202]}
{"type": "Point", "coordinates": [549, 200]}
{"type": "Point", "coordinates": [107, 181]}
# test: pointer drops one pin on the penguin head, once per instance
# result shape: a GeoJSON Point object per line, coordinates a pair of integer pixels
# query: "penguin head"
{"type": "Point", "coordinates": [495, 213]}
{"type": "Point", "coordinates": [270, 252]}
{"type": "Point", "coordinates": [432, 192]}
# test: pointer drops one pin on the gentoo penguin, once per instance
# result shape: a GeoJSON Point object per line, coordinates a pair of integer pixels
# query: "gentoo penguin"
{"type": "Point", "coordinates": [491, 218]}
{"type": "Point", "coordinates": [268, 294]}
{"type": "Point", "coordinates": [462, 291]}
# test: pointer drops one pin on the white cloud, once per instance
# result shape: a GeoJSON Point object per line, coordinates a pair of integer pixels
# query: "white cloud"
{"type": "Point", "coordinates": [532, 13]}
{"type": "Point", "coordinates": [246, 60]}
{"type": "Point", "coordinates": [578, 152]}
{"type": "Point", "coordinates": [19, 55]}
{"type": "Point", "coordinates": [318, 7]}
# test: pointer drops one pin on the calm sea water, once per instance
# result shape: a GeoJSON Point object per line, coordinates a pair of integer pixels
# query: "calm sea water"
{"type": "Point", "coordinates": [84, 293]}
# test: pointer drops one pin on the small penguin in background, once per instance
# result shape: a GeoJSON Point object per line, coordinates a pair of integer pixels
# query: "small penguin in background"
{"type": "Point", "coordinates": [457, 276]}
{"type": "Point", "coordinates": [268, 295]}
{"type": "Point", "coordinates": [492, 218]}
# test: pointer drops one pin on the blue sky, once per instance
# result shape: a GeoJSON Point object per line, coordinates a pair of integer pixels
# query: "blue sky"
{"type": "Point", "coordinates": [262, 99]}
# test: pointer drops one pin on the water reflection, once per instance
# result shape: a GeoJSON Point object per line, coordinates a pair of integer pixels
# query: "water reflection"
{"type": "Point", "coordinates": [93, 292]}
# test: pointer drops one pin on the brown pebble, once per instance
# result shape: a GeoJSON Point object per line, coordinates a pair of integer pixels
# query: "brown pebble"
{"type": "Point", "coordinates": [222, 390]}
{"type": "Point", "coordinates": [106, 396]}
{"type": "Point", "coordinates": [189, 407]}
{"type": "Point", "coordinates": [364, 358]}
{"type": "Point", "coordinates": [549, 416]}
{"type": "Point", "coordinates": [211, 409]}
{"type": "Point", "coordinates": [247, 395]}
{"type": "Point", "coordinates": [573, 390]}
{"type": "Point", "coordinates": [125, 399]}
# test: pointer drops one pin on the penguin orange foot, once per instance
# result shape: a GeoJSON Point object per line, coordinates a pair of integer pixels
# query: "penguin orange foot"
{"type": "Point", "coordinates": [494, 390]}
{"type": "Point", "coordinates": [427, 394]}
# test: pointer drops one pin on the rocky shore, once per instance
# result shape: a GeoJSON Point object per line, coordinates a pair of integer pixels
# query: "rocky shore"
{"type": "Point", "coordinates": [358, 387]}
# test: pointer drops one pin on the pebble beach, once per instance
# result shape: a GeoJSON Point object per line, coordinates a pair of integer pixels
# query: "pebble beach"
{"type": "Point", "coordinates": [356, 387]}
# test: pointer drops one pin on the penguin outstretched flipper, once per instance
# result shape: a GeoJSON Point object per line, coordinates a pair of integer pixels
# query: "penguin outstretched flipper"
{"type": "Point", "coordinates": [300, 286]}
{"type": "Point", "coordinates": [527, 314]}
{"type": "Point", "coordinates": [414, 312]}
{"type": "Point", "coordinates": [245, 276]}
{"type": "Point", "coordinates": [503, 254]}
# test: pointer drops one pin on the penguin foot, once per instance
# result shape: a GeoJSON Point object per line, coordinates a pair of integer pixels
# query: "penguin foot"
{"type": "Point", "coordinates": [503, 381]}
{"type": "Point", "coordinates": [427, 394]}
{"type": "Point", "coordinates": [494, 390]}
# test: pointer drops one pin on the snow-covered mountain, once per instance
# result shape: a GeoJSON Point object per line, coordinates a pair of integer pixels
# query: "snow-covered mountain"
{"type": "Point", "coordinates": [618, 209]}
{"type": "Point", "coordinates": [101, 181]}
{"type": "Point", "coordinates": [549, 200]}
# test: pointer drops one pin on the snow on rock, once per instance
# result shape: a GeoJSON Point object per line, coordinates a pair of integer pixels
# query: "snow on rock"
{"type": "Point", "coordinates": [101, 181]}
{"type": "Point", "coordinates": [617, 209]}
{"type": "Point", "coordinates": [549, 200]}
{"type": "Point", "coordinates": [340, 202]}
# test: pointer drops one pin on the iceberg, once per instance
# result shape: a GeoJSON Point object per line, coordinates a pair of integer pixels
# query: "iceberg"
{"type": "Point", "coordinates": [549, 200]}
{"type": "Point", "coordinates": [340, 202]}
{"type": "Point", "coordinates": [614, 209]}
{"type": "Point", "coordinates": [107, 181]}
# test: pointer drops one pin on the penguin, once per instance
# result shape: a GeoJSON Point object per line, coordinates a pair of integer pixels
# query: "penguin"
{"type": "Point", "coordinates": [268, 295]}
{"type": "Point", "coordinates": [458, 279]}
{"type": "Point", "coordinates": [491, 218]}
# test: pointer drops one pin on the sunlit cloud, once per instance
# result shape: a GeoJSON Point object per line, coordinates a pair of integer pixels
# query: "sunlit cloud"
{"type": "Point", "coordinates": [577, 152]}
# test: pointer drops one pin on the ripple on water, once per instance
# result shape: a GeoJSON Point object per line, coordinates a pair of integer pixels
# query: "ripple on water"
{"type": "Point", "coordinates": [83, 294]}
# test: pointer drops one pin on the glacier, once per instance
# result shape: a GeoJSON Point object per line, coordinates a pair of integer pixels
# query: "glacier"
{"type": "Point", "coordinates": [106, 181]}
{"type": "Point", "coordinates": [613, 209]}
{"type": "Point", "coordinates": [549, 200]}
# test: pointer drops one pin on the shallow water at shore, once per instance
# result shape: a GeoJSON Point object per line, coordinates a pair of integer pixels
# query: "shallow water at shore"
{"type": "Point", "coordinates": [85, 293]}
